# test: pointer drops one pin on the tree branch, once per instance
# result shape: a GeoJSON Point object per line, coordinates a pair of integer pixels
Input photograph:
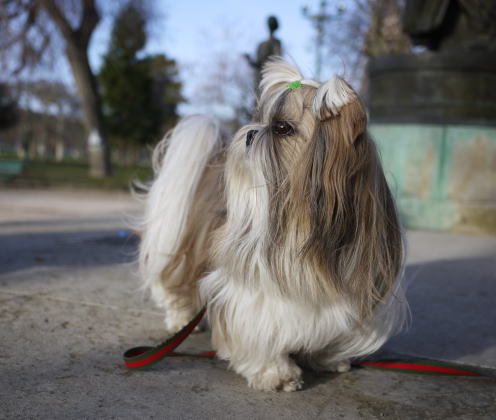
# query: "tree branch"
{"type": "Point", "coordinates": [89, 20]}
{"type": "Point", "coordinates": [59, 19]}
{"type": "Point", "coordinates": [21, 36]}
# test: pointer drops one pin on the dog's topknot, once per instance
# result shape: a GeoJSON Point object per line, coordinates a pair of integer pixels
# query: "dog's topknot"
{"type": "Point", "coordinates": [277, 72]}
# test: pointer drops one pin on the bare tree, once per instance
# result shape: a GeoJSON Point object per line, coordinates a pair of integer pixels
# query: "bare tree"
{"type": "Point", "coordinates": [26, 30]}
{"type": "Point", "coordinates": [367, 28]}
{"type": "Point", "coordinates": [223, 79]}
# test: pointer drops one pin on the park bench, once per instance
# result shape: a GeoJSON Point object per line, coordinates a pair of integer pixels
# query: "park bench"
{"type": "Point", "coordinates": [10, 168]}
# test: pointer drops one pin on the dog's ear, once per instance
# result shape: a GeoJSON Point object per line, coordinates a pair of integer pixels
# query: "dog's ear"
{"type": "Point", "coordinates": [337, 102]}
{"type": "Point", "coordinates": [330, 99]}
{"type": "Point", "coordinates": [355, 237]}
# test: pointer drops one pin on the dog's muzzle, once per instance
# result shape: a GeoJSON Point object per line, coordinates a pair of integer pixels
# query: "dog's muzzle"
{"type": "Point", "coordinates": [250, 136]}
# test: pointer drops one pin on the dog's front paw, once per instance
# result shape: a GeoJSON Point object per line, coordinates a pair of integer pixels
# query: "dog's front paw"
{"type": "Point", "coordinates": [277, 377]}
{"type": "Point", "coordinates": [175, 320]}
{"type": "Point", "coordinates": [339, 367]}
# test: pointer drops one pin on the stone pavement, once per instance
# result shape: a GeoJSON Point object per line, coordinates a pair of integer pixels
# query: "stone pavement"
{"type": "Point", "coordinates": [69, 307]}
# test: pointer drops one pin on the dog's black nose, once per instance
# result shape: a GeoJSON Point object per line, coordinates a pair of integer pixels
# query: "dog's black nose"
{"type": "Point", "coordinates": [250, 136]}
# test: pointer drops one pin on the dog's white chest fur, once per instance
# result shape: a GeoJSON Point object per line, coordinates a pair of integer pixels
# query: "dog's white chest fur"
{"type": "Point", "coordinates": [272, 323]}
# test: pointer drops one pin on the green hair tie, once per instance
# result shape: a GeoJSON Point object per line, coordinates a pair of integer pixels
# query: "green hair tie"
{"type": "Point", "coordinates": [294, 85]}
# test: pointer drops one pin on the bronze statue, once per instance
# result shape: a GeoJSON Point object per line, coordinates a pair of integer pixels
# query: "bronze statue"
{"type": "Point", "coordinates": [451, 24]}
{"type": "Point", "coordinates": [266, 49]}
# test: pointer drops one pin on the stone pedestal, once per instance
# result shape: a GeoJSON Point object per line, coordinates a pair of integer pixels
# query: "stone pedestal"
{"type": "Point", "coordinates": [433, 117]}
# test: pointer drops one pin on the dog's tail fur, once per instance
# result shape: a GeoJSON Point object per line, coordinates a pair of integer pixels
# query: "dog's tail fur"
{"type": "Point", "coordinates": [183, 205]}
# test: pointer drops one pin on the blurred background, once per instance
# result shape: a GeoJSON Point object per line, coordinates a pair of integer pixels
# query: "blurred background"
{"type": "Point", "coordinates": [87, 87]}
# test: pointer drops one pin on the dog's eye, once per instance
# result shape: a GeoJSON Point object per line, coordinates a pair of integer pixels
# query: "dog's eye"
{"type": "Point", "coordinates": [282, 128]}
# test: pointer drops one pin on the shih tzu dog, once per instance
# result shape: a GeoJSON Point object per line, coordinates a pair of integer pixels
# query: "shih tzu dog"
{"type": "Point", "coordinates": [288, 233]}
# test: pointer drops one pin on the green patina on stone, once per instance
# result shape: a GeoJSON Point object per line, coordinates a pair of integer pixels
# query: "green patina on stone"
{"type": "Point", "coordinates": [441, 174]}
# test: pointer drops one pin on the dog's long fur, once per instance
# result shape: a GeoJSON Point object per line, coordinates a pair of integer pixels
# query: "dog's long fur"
{"type": "Point", "coordinates": [302, 254]}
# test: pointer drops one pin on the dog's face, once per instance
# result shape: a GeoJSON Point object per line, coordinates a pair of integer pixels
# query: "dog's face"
{"type": "Point", "coordinates": [306, 194]}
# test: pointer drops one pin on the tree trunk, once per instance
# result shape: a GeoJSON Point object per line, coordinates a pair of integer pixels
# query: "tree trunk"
{"type": "Point", "coordinates": [77, 41]}
{"type": "Point", "coordinates": [42, 140]}
{"type": "Point", "coordinates": [41, 149]}
{"type": "Point", "coordinates": [59, 136]}
{"type": "Point", "coordinates": [59, 150]}
{"type": "Point", "coordinates": [98, 150]}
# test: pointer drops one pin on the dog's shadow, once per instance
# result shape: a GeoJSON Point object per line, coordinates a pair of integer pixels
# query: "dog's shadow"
{"type": "Point", "coordinates": [452, 311]}
{"type": "Point", "coordinates": [312, 379]}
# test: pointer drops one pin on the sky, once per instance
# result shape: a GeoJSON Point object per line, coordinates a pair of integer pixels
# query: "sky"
{"type": "Point", "coordinates": [189, 31]}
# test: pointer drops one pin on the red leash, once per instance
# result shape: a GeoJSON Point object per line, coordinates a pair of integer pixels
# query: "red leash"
{"type": "Point", "coordinates": [141, 357]}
